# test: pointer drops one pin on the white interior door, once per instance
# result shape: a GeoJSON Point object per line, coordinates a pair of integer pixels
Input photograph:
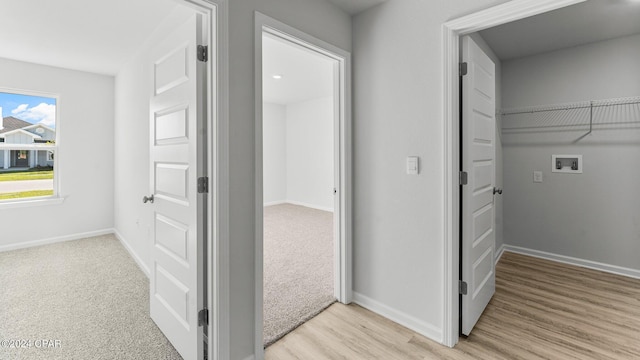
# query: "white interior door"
{"type": "Point", "coordinates": [176, 289]}
{"type": "Point", "coordinates": [478, 161]}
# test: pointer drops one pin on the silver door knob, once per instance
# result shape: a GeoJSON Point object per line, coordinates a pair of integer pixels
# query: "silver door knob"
{"type": "Point", "coordinates": [497, 190]}
{"type": "Point", "coordinates": [148, 199]}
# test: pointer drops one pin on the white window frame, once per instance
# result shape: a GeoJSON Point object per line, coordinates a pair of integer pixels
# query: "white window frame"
{"type": "Point", "coordinates": [56, 198]}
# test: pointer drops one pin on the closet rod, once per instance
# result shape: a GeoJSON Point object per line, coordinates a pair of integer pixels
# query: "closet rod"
{"type": "Point", "coordinates": [583, 105]}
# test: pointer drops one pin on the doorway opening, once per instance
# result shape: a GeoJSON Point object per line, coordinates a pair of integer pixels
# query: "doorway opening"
{"type": "Point", "coordinates": [537, 119]}
{"type": "Point", "coordinates": [299, 184]}
{"type": "Point", "coordinates": [303, 127]}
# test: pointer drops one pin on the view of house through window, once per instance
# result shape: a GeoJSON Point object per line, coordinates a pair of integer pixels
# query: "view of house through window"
{"type": "Point", "coordinates": [27, 146]}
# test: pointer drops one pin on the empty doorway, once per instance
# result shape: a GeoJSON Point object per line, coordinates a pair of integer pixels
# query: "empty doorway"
{"type": "Point", "coordinates": [302, 186]}
{"type": "Point", "coordinates": [299, 185]}
{"type": "Point", "coordinates": [558, 122]}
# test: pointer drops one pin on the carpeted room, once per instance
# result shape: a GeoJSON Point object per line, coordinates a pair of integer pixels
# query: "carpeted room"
{"type": "Point", "coordinates": [298, 186]}
{"type": "Point", "coordinates": [88, 296]}
{"type": "Point", "coordinates": [298, 267]}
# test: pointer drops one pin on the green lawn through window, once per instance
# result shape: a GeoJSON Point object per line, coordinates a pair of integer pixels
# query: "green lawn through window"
{"type": "Point", "coordinates": [26, 175]}
{"type": "Point", "coordinates": [25, 194]}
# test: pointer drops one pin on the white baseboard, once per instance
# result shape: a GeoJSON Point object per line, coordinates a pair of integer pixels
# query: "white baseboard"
{"type": "Point", "coordinates": [278, 202]}
{"type": "Point", "coordinates": [312, 206]}
{"type": "Point", "coordinates": [406, 320]}
{"type": "Point", "coordinates": [499, 253]}
{"type": "Point", "coordinates": [53, 240]}
{"type": "Point", "coordinates": [250, 357]}
{"type": "Point", "coordinates": [133, 254]}
{"type": "Point", "coordinates": [614, 269]}
{"type": "Point", "coordinates": [299, 203]}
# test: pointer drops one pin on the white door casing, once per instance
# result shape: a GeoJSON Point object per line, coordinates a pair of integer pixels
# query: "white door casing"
{"type": "Point", "coordinates": [478, 161]}
{"type": "Point", "coordinates": [176, 128]}
{"type": "Point", "coordinates": [343, 125]}
{"type": "Point", "coordinates": [452, 31]}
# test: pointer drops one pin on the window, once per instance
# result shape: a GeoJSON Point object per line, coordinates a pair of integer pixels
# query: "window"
{"type": "Point", "coordinates": [28, 143]}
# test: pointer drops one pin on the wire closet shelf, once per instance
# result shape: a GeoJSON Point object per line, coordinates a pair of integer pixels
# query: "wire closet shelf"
{"type": "Point", "coordinates": [616, 113]}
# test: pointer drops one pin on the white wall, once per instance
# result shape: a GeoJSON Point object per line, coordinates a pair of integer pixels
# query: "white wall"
{"type": "Point", "coordinates": [298, 153]}
{"type": "Point", "coordinates": [310, 153]}
{"type": "Point", "coordinates": [595, 215]}
{"type": "Point", "coordinates": [85, 154]}
{"type": "Point", "coordinates": [19, 138]}
{"type": "Point", "coordinates": [274, 133]}
{"type": "Point", "coordinates": [131, 174]}
{"type": "Point", "coordinates": [398, 224]}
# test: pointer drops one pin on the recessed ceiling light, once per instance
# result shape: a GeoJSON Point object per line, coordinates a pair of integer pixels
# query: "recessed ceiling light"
{"type": "Point", "coordinates": [277, 76]}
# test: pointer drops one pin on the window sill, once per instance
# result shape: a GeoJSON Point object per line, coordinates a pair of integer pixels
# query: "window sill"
{"type": "Point", "coordinates": [12, 204]}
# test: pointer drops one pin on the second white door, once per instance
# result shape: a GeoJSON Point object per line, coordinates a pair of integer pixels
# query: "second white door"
{"type": "Point", "coordinates": [177, 231]}
{"type": "Point", "coordinates": [478, 162]}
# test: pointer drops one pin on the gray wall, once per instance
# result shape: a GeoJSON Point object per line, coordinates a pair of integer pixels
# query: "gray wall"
{"type": "Point", "coordinates": [595, 215]}
{"type": "Point", "coordinates": [398, 220]}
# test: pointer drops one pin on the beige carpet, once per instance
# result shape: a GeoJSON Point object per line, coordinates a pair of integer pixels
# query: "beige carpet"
{"type": "Point", "coordinates": [298, 267]}
{"type": "Point", "coordinates": [88, 294]}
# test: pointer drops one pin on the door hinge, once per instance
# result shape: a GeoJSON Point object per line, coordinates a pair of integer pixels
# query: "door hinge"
{"type": "Point", "coordinates": [203, 53]}
{"type": "Point", "coordinates": [203, 185]}
{"type": "Point", "coordinates": [203, 317]}
{"type": "Point", "coordinates": [462, 69]}
{"type": "Point", "coordinates": [462, 287]}
{"type": "Point", "coordinates": [464, 178]}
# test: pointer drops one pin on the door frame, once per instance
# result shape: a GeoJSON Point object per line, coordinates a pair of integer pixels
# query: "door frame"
{"type": "Point", "coordinates": [342, 129]}
{"type": "Point", "coordinates": [216, 13]}
{"type": "Point", "coordinates": [451, 32]}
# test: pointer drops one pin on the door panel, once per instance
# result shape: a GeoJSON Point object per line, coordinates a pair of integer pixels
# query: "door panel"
{"type": "Point", "coordinates": [22, 158]}
{"type": "Point", "coordinates": [478, 160]}
{"type": "Point", "coordinates": [172, 69]}
{"type": "Point", "coordinates": [176, 287]}
{"type": "Point", "coordinates": [171, 126]}
{"type": "Point", "coordinates": [172, 182]}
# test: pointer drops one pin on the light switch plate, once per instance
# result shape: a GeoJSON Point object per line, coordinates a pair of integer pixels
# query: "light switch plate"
{"type": "Point", "coordinates": [537, 176]}
{"type": "Point", "coordinates": [413, 165]}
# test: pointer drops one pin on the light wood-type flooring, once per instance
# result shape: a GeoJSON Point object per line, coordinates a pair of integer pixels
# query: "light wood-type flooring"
{"type": "Point", "coordinates": [541, 310]}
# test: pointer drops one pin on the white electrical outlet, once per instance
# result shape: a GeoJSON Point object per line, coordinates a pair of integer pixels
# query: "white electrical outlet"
{"type": "Point", "coordinates": [537, 176]}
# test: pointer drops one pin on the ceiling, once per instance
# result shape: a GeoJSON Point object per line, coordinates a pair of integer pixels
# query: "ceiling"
{"type": "Point", "coordinates": [354, 7]}
{"type": "Point", "coordinates": [98, 37]}
{"type": "Point", "coordinates": [305, 74]}
{"type": "Point", "coordinates": [95, 36]}
{"type": "Point", "coordinates": [587, 22]}
{"type": "Point", "coordinates": [63, 33]}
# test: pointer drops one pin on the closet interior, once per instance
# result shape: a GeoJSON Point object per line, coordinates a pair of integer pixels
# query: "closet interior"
{"type": "Point", "coordinates": [568, 138]}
